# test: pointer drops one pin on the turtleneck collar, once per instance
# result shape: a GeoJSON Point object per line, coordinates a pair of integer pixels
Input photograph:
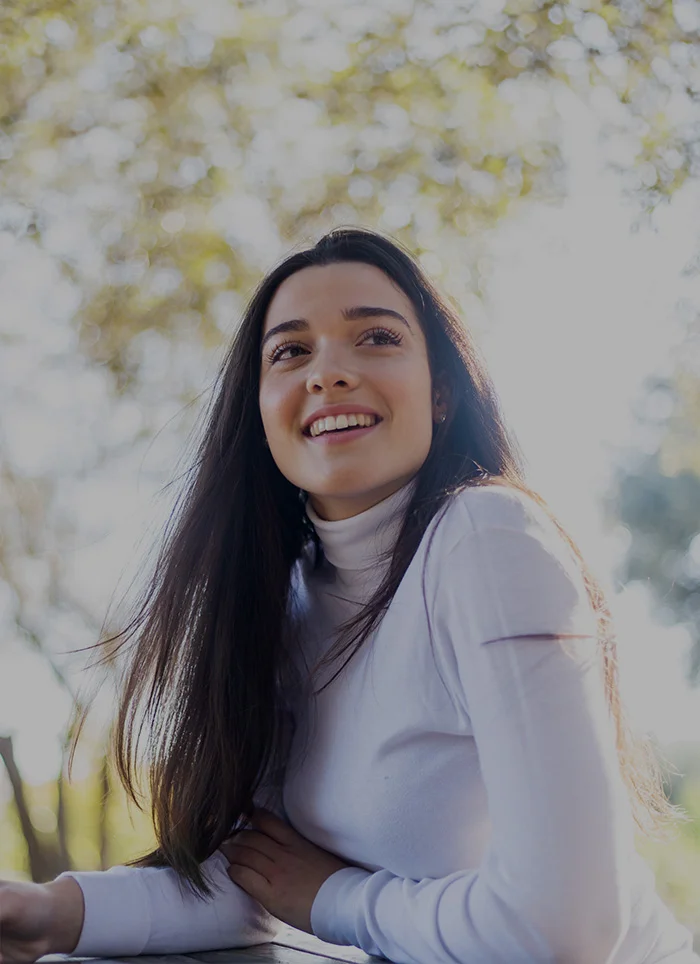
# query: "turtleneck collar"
{"type": "Point", "coordinates": [358, 543]}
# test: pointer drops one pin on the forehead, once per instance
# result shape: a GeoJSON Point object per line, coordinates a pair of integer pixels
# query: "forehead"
{"type": "Point", "coordinates": [318, 289]}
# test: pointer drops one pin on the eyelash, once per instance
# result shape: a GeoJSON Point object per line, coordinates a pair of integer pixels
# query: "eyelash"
{"type": "Point", "coordinates": [273, 355]}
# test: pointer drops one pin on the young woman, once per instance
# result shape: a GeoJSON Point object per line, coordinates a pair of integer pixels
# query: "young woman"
{"type": "Point", "coordinates": [377, 680]}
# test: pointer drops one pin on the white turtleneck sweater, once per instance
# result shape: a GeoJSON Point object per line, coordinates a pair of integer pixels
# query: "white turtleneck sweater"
{"type": "Point", "coordinates": [463, 762]}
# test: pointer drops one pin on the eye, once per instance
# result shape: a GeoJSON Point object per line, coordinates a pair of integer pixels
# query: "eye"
{"type": "Point", "coordinates": [276, 353]}
{"type": "Point", "coordinates": [385, 336]}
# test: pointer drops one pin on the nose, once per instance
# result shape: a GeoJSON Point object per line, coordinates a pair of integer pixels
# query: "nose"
{"type": "Point", "coordinates": [330, 371]}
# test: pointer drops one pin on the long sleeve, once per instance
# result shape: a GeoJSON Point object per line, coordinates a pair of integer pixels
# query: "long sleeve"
{"type": "Point", "coordinates": [148, 910]}
{"type": "Point", "coordinates": [554, 883]}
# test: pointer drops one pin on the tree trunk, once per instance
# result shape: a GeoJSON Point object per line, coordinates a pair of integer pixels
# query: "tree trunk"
{"type": "Point", "coordinates": [103, 825]}
{"type": "Point", "coordinates": [39, 860]}
{"type": "Point", "coordinates": [61, 828]}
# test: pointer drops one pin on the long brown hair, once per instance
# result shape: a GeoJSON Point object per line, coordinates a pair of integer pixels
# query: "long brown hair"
{"type": "Point", "coordinates": [210, 651]}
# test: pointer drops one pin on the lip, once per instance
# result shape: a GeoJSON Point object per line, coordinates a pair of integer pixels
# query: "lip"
{"type": "Point", "coordinates": [338, 410]}
{"type": "Point", "coordinates": [338, 438]}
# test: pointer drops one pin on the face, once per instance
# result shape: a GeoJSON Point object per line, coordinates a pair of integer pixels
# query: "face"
{"type": "Point", "coordinates": [323, 356]}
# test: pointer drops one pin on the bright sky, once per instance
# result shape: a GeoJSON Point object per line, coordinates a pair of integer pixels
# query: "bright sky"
{"type": "Point", "coordinates": [579, 311]}
{"type": "Point", "coordinates": [582, 310]}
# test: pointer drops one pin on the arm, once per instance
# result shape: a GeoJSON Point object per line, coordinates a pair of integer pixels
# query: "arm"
{"type": "Point", "coordinates": [147, 910]}
{"type": "Point", "coordinates": [553, 886]}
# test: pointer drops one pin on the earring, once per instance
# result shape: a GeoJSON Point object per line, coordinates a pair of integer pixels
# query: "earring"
{"type": "Point", "coordinates": [443, 417]}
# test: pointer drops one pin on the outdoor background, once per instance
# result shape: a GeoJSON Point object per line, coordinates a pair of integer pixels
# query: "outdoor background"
{"type": "Point", "coordinates": [158, 156]}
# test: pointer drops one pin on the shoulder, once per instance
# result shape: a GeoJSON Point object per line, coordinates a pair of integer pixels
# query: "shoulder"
{"type": "Point", "coordinates": [477, 509]}
{"type": "Point", "coordinates": [503, 564]}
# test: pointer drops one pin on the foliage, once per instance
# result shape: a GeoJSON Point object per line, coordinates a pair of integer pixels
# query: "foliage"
{"type": "Point", "coordinates": [676, 864]}
{"type": "Point", "coordinates": [164, 151]}
{"type": "Point", "coordinates": [657, 497]}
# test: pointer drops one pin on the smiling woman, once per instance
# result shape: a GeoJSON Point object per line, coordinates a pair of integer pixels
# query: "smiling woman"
{"type": "Point", "coordinates": [464, 786]}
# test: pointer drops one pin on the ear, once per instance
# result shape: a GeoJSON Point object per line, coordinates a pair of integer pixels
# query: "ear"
{"type": "Point", "coordinates": [442, 398]}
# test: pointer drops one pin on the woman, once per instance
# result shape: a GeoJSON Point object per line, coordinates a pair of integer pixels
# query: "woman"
{"type": "Point", "coordinates": [463, 786]}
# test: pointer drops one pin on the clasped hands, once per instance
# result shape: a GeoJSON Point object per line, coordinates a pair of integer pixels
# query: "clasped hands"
{"type": "Point", "coordinates": [279, 867]}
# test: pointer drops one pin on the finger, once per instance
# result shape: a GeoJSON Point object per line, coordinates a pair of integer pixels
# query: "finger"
{"type": "Point", "coordinates": [240, 856]}
{"type": "Point", "coordinates": [255, 839]}
{"type": "Point", "coordinates": [249, 880]}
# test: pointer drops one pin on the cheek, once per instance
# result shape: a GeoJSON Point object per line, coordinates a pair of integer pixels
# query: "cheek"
{"type": "Point", "coordinates": [276, 407]}
{"type": "Point", "coordinates": [412, 400]}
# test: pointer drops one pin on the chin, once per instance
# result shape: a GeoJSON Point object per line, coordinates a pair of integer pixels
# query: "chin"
{"type": "Point", "coordinates": [360, 488]}
{"type": "Point", "coordinates": [348, 484]}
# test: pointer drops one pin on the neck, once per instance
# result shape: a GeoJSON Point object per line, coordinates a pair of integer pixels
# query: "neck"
{"type": "Point", "coordinates": [362, 542]}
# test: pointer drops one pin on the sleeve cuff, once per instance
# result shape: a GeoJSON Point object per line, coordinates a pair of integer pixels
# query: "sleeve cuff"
{"type": "Point", "coordinates": [333, 912]}
{"type": "Point", "coordinates": [109, 901]}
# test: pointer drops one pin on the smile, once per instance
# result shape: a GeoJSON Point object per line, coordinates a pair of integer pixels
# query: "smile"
{"type": "Point", "coordinates": [341, 423]}
{"type": "Point", "coordinates": [342, 428]}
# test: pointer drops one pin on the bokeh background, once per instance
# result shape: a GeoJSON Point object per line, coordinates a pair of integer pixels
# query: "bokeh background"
{"type": "Point", "coordinates": [158, 156]}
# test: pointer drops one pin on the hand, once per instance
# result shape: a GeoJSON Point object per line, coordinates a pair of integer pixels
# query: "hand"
{"type": "Point", "coordinates": [279, 868]}
{"type": "Point", "coordinates": [38, 919]}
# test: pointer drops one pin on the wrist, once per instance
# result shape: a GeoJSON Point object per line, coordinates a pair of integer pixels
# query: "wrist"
{"type": "Point", "coordinates": [67, 915]}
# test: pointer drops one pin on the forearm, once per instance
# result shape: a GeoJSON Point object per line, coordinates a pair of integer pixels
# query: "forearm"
{"type": "Point", "coordinates": [150, 910]}
{"type": "Point", "coordinates": [68, 913]}
{"type": "Point", "coordinates": [468, 916]}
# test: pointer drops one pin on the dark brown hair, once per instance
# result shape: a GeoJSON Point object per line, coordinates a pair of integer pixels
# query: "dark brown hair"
{"type": "Point", "coordinates": [210, 651]}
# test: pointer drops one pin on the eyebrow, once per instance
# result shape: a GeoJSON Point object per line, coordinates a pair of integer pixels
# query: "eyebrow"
{"type": "Point", "coordinates": [349, 314]}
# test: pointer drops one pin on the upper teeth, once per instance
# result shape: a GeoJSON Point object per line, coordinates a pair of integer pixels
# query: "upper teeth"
{"type": "Point", "coordinates": [331, 423]}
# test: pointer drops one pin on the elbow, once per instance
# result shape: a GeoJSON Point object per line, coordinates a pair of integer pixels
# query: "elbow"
{"type": "Point", "coordinates": [578, 923]}
{"type": "Point", "coordinates": [589, 938]}
{"type": "Point", "coordinates": [567, 917]}
{"type": "Point", "coordinates": [259, 930]}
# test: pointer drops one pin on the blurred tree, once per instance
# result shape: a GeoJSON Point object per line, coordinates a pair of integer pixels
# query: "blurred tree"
{"type": "Point", "coordinates": [45, 861]}
{"type": "Point", "coordinates": [103, 825]}
{"type": "Point", "coordinates": [165, 152]}
{"type": "Point", "coordinates": [157, 155]}
{"type": "Point", "coordinates": [657, 496]}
